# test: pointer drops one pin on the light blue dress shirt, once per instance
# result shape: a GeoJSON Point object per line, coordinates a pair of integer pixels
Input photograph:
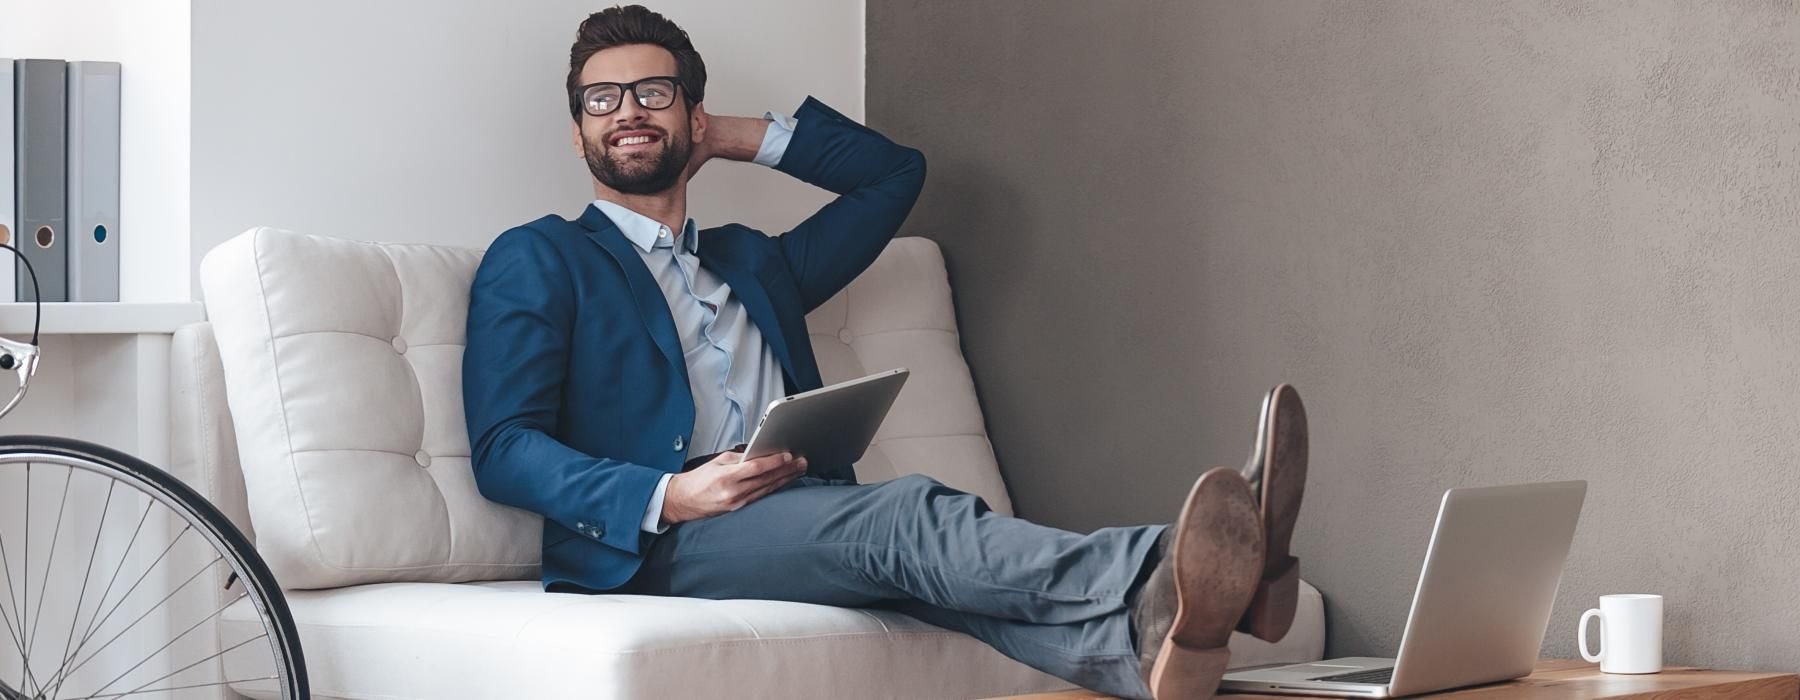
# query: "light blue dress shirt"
{"type": "Point", "coordinates": [731, 371]}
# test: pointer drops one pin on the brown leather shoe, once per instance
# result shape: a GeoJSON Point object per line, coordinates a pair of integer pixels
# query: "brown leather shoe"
{"type": "Point", "coordinates": [1198, 591]}
{"type": "Point", "coordinates": [1277, 474]}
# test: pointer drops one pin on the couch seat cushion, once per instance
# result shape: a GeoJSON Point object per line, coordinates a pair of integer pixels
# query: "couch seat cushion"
{"type": "Point", "coordinates": [509, 639]}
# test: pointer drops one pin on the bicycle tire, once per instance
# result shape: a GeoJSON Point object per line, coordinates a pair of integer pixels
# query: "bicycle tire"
{"type": "Point", "coordinates": [252, 572]}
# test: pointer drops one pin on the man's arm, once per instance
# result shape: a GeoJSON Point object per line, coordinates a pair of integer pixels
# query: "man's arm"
{"type": "Point", "coordinates": [876, 179]}
{"type": "Point", "coordinates": [731, 138]}
{"type": "Point", "coordinates": [521, 315]}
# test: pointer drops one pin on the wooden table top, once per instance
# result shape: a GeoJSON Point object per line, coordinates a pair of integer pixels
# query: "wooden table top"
{"type": "Point", "coordinates": [1562, 679]}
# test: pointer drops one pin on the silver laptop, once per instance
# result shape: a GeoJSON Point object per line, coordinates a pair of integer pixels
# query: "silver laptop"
{"type": "Point", "coordinates": [1483, 602]}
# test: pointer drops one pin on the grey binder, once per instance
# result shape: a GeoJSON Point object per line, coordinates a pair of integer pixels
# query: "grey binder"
{"type": "Point", "coordinates": [93, 239]}
{"type": "Point", "coordinates": [39, 132]}
{"type": "Point", "coordinates": [9, 221]}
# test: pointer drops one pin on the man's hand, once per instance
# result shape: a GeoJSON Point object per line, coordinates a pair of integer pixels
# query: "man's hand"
{"type": "Point", "coordinates": [731, 138]}
{"type": "Point", "coordinates": [726, 484]}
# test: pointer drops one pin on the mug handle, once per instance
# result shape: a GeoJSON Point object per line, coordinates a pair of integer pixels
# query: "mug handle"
{"type": "Point", "coordinates": [1581, 636]}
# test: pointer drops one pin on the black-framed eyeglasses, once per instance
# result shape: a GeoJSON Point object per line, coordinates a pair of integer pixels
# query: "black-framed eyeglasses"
{"type": "Point", "coordinates": [601, 99]}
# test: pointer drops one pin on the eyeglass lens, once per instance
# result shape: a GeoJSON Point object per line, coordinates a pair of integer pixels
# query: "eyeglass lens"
{"type": "Point", "coordinates": [655, 93]}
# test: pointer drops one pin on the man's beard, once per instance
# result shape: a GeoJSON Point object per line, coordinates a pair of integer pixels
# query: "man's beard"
{"type": "Point", "coordinates": [640, 175]}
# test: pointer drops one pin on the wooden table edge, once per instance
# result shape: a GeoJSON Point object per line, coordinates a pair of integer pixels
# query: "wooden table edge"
{"type": "Point", "coordinates": [1553, 677]}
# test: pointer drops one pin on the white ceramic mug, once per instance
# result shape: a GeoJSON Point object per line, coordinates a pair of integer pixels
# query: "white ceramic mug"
{"type": "Point", "coordinates": [1630, 633]}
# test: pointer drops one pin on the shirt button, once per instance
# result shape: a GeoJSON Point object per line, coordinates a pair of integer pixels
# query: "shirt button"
{"type": "Point", "coordinates": [678, 443]}
{"type": "Point", "coordinates": [662, 233]}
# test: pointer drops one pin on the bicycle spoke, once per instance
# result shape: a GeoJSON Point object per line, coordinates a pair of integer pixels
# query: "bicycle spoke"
{"type": "Point", "coordinates": [101, 602]}
{"type": "Point", "coordinates": [37, 622]}
{"type": "Point", "coordinates": [7, 692]}
{"type": "Point", "coordinates": [10, 635]}
{"type": "Point", "coordinates": [140, 580]}
{"type": "Point", "coordinates": [181, 687]}
{"type": "Point", "coordinates": [17, 636]}
{"type": "Point", "coordinates": [172, 641]}
{"type": "Point", "coordinates": [85, 578]}
{"type": "Point", "coordinates": [209, 657]}
{"type": "Point", "coordinates": [127, 596]}
{"type": "Point", "coordinates": [6, 565]}
{"type": "Point", "coordinates": [25, 573]}
{"type": "Point", "coordinates": [94, 628]}
{"type": "Point", "coordinates": [16, 643]}
{"type": "Point", "coordinates": [152, 609]}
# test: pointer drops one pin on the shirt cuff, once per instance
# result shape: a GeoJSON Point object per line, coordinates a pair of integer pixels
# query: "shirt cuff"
{"type": "Point", "coordinates": [775, 139]}
{"type": "Point", "coordinates": [653, 514]}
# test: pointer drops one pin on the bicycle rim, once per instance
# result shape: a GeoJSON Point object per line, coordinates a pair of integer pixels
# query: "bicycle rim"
{"type": "Point", "coordinates": [129, 613]}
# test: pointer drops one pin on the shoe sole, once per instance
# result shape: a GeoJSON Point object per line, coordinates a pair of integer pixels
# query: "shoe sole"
{"type": "Point", "coordinates": [1218, 551]}
{"type": "Point", "coordinates": [1282, 448]}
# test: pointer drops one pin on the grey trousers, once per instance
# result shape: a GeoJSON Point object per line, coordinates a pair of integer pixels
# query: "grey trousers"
{"type": "Point", "coordinates": [1052, 599]}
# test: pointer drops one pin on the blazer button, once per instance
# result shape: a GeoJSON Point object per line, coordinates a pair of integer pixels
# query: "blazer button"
{"type": "Point", "coordinates": [678, 443]}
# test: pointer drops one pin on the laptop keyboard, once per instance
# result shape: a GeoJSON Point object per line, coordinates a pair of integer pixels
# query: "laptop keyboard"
{"type": "Point", "coordinates": [1379, 676]}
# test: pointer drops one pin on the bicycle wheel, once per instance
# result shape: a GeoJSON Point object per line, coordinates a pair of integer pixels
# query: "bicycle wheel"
{"type": "Point", "coordinates": [79, 523]}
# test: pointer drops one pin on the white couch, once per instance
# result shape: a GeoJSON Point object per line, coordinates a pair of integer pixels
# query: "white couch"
{"type": "Point", "coordinates": [320, 407]}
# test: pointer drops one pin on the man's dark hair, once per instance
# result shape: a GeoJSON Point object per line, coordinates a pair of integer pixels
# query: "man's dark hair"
{"type": "Point", "coordinates": [635, 24]}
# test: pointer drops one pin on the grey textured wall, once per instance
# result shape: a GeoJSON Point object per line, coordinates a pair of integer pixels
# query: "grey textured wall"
{"type": "Point", "coordinates": [1490, 242]}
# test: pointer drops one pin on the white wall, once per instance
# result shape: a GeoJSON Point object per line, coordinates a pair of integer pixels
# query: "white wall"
{"type": "Point", "coordinates": [428, 121]}
{"type": "Point", "coordinates": [397, 120]}
{"type": "Point", "coordinates": [150, 38]}
{"type": "Point", "coordinates": [405, 120]}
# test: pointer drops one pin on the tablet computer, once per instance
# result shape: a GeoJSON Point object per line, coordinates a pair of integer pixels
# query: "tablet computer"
{"type": "Point", "coordinates": [829, 426]}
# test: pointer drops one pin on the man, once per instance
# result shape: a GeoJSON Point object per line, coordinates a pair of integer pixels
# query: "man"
{"type": "Point", "coordinates": [614, 360]}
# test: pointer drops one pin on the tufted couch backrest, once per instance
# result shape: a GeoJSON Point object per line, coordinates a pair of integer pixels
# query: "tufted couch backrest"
{"type": "Point", "coordinates": [341, 367]}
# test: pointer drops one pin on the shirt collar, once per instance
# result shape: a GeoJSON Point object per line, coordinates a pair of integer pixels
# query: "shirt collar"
{"type": "Point", "coordinates": [641, 230]}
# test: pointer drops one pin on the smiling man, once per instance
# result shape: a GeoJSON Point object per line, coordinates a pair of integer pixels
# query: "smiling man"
{"type": "Point", "coordinates": [615, 360]}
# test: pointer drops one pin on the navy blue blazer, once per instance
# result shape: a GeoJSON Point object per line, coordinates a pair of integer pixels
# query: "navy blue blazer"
{"type": "Point", "coordinates": [574, 384]}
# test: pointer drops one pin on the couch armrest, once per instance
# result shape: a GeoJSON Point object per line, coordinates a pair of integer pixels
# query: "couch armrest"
{"type": "Point", "coordinates": [203, 454]}
{"type": "Point", "coordinates": [203, 444]}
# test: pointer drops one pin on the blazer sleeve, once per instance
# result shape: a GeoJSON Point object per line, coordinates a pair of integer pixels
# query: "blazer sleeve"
{"type": "Point", "coordinates": [876, 180]}
{"type": "Point", "coordinates": [521, 316]}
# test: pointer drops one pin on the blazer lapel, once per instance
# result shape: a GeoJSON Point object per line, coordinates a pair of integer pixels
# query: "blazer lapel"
{"type": "Point", "coordinates": [651, 306]}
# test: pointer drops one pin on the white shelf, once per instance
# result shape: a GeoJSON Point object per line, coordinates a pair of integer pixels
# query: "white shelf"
{"type": "Point", "coordinates": [99, 318]}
